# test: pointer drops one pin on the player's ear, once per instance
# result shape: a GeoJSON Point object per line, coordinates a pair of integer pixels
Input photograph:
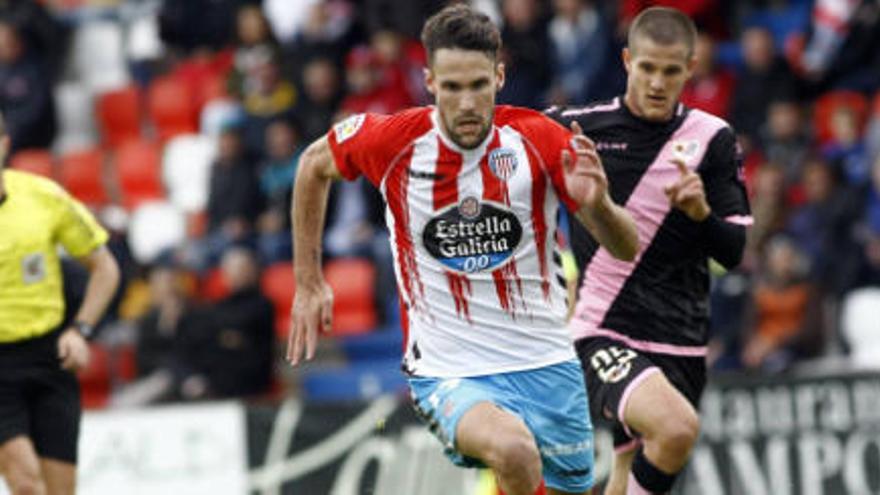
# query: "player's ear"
{"type": "Point", "coordinates": [626, 55]}
{"type": "Point", "coordinates": [691, 64]}
{"type": "Point", "coordinates": [429, 80]}
{"type": "Point", "coordinates": [499, 76]}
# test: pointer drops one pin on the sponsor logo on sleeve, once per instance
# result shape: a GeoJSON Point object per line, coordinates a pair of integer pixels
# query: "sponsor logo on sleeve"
{"type": "Point", "coordinates": [348, 127]}
{"type": "Point", "coordinates": [685, 149]}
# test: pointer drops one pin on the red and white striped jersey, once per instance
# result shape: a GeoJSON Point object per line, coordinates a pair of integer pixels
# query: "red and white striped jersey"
{"type": "Point", "coordinates": [473, 236]}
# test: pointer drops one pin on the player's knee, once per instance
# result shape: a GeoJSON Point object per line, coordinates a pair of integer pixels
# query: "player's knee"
{"type": "Point", "coordinates": [517, 455]}
{"type": "Point", "coordinates": [678, 434]}
{"type": "Point", "coordinates": [26, 482]}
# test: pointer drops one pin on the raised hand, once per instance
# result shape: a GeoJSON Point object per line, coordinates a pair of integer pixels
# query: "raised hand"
{"type": "Point", "coordinates": [688, 194]}
{"type": "Point", "coordinates": [585, 178]}
{"type": "Point", "coordinates": [312, 309]}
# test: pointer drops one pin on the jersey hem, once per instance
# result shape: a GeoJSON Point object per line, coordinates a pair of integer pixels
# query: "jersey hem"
{"type": "Point", "coordinates": [646, 345]}
{"type": "Point", "coordinates": [556, 359]}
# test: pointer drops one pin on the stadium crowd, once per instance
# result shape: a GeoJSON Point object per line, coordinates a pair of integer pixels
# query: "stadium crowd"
{"type": "Point", "coordinates": [180, 124]}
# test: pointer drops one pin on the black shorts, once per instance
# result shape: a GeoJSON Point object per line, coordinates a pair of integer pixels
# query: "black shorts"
{"type": "Point", "coordinates": [38, 398]}
{"type": "Point", "coordinates": [612, 370]}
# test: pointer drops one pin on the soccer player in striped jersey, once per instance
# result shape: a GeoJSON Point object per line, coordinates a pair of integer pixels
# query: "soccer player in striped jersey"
{"type": "Point", "coordinates": [641, 326]}
{"type": "Point", "coordinates": [472, 192]}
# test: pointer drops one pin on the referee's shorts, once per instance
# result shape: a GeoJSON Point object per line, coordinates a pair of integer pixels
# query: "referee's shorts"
{"type": "Point", "coordinates": [38, 398]}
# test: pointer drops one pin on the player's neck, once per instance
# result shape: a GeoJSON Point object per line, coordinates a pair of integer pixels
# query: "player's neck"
{"type": "Point", "coordinates": [633, 108]}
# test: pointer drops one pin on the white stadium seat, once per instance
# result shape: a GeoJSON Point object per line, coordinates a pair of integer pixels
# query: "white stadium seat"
{"type": "Point", "coordinates": [860, 325]}
{"type": "Point", "coordinates": [98, 56]}
{"type": "Point", "coordinates": [155, 227]}
{"type": "Point", "coordinates": [186, 170]}
{"type": "Point", "coordinates": [76, 118]}
{"type": "Point", "coordinates": [217, 114]}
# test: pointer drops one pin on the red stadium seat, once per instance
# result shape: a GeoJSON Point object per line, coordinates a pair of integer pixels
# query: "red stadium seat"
{"type": "Point", "coordinates": [353, 281]}
{"type": "Point", "coordinates": [139, 169]}
{"type": "Point", "coordinates": [172, 108]}
{"type": "Point", "coordinates": [213, 286]}
{"type": "Point", "coordinates": [278, 284]}
{"type": "Point", "coordinates": [125, 363]}
{"type": "Point", "coordinates": [82, 174]}
{"type": "Point", "coordinates": [95, 379]}
{"type": "Point", "coordinates": [119, 115]}
{"type": "Point", "coordinates": [214, 89]}
{"type": "Point", "coordinates": [35, 161]}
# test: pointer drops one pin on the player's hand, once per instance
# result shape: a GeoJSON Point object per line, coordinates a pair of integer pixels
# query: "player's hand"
{"type": "Point", "coordinates": [73, 350]}
{"type": "Point", "coordinates": [688, 194]}
{"type": "Point", "coordinates": [585, 178]}
{"type": "Point", "coordinates": [312, 309]}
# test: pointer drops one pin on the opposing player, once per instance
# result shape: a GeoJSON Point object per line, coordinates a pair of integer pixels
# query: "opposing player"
{"type": "Point", "coordinates": [39, 395]}
{"type": "Point", "coordinates": [641, 326]}
{"type": "Point", "coordinates": [472, 194]}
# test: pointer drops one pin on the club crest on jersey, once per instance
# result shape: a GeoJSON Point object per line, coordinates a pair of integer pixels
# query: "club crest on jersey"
{"type": "Point", "coordinates": [469, 207]}
{"type": "Point", "coordinates": [503, 163]}
{"type": "Point", "coordinates": [472, 236]}
{"type": "Point", "coordinates": [685, 149]}
{"type": "Point", "coordinates": [348, 127]}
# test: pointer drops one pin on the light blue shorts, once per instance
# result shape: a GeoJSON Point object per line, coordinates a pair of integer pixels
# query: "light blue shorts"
{"type": "Point", "coordinates": [551, 401]}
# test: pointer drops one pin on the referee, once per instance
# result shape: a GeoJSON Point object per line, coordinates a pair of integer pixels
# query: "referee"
{"type": "Point", "coordinates": [39, 395]}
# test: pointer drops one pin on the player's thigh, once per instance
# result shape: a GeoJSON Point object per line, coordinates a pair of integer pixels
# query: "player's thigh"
{"type": "Point", "coordinates": [555, 408]}
{"type": "Point", "coordinates": [441, 403]}
{"type": "Point", "coordinates": [612, 370]}
{"type": "Point", "coordinates": [13, 405]}
{"type": "Point", "coordinates": [485, 429]}
{"type": "Point", "coordinates": [55, 415]}
{"type": "Point", "coordinates": [19, 463]}
{"type": "Point", "coordinates": [60, 477]}
{"type": "Point", "coordinates": [655, 405]}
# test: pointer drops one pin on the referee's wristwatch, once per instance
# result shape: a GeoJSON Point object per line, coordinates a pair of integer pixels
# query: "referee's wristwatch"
{"type": "Point", "coordinates": [84, 329]}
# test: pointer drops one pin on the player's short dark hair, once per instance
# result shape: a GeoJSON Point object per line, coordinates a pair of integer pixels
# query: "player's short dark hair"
{"type": "Point", "coordinates": [664, 26]}
{"type": "Point", "coordinates": [460, 26]}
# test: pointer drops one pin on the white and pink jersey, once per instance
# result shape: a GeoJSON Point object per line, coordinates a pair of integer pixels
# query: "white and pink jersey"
{"type": "Point", "coordinates": [473, 236]}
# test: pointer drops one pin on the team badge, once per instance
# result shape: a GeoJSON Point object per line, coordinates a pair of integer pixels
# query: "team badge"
{"type": "Point", "coordinates": [685, 149]}
{"type": "Point", "coordinates": [348, 127]}
{"type": "Point", "coordinates": [33, 268]}
{"type": "Point", "coordinates": [469, 207]}
{"type": "Point", "coordinates": [503, 163]}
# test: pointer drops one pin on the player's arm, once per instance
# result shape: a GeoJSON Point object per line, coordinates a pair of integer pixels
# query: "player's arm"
{"type": "Point", "coordinates": [103, 281]}
{"type": "Point", "coordinates": [716, 199]}
{"type": "Point", "coordinates": [613, 227]}
{"type": "Point", "coordinates": [610, 224]}
{"type": "Point", "coordinates": [725, 241]}
{"type": "Point", "coordinates": [313, 302]}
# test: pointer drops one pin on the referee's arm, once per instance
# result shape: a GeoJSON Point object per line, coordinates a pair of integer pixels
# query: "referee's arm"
{"type": "Point", "coordinates": [103, 281]}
